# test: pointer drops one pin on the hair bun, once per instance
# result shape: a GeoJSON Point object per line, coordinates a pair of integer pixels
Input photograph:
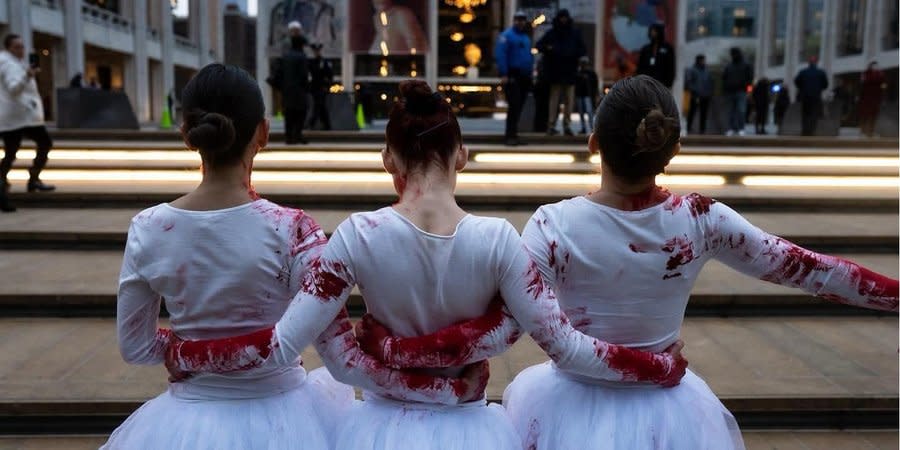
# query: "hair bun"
{"type": "Point", "coordinates": [213, 132]}
{"type": "Point", "coordinates": [655, 132]}
{"type": "Point", "coordinates": [418, 98]}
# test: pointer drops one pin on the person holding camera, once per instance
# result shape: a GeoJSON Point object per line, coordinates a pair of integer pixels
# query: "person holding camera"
{"type": "Point", "coordinates": [21, 115]}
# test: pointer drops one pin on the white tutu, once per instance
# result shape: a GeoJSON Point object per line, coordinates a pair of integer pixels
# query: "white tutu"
{"type": "Point", "coordinates": [382, 424]}
{"type": "Point", "coordinates": [551, 411]}
{"type": "Point", "coordinates": [303, 417]}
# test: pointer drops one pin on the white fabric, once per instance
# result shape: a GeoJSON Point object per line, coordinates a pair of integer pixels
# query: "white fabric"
{"type": "Point", "coordinates": [221, 273]}
{"type": "Point", "coordinates": [20, 103]}
{"type": "Point", "coordinates": [299, 418]}
{"type": "Point", "coordinates": [554, 412]}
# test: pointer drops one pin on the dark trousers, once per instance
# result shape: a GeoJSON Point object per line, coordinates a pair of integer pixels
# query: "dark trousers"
{"type": "Point", "coordinates": [320, 110]}
{"type": "Point", "coordinates": [12, 140]}
{"type": "Point", "coordinates": [762, 115]}
{"type": "Point", "coordinates": [702, 104]}
{"type": "Point", "coordinates": [811, 110]}
{"type": "Point", "coordinates": [294, 117]}
{"type": "Point", "coordinates": [516, 92]}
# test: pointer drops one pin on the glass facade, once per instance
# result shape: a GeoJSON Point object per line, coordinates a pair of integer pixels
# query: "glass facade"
{"type": "Point", "coordinates": [851, 16]}
{"type": "Point", "coordinates": [724, 18]}
{"type": "Point", "coordinates": [779, 31]}
{"type": "Point", "coordinates": [466, 39]}
{"type": "Point", "coordinates": [811, 24]}
{"type": "Point", "coordinates": [889, 36]}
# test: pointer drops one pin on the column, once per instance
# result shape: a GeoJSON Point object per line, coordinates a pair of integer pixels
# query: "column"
{"type": "Point", "coordinates": [204, 29]}
{"type": "Point", "coordinates": [73, 25]}
{"type": "Point", "coordinates": [431, 65]}
{"type": "Point", "coordinates": [680, 57]}
{"type": "Point", "coordinates": [140, 78]}
{"type": "Point", "coordinates": [167, 48]}
{"type": "Point", "coordinates": [599, 35]}
{"type": "Point", "coordinates": [20, 21]}
{"type": "Point", "coordinates": [763, 38]}
{"type": "Point", "coordinates": [792, 42]}
{"type": "Point", "coordinates": [220, 30]}
{"type": "Point", "coordinates": [264, 9]}
{"type": "Point", "coordinates": [827, 49]}
{"type": "Point", "coordinates": [873, 27]}
{"type": "Point", "coordinates": [348, 59]}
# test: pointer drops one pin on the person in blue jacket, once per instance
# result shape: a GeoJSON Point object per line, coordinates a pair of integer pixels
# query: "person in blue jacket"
{"type": "Point", "coordinates": [514, 65]}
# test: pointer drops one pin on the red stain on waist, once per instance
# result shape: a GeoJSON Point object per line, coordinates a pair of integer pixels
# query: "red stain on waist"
{"type": "Point", "coordinates": [634, 365]}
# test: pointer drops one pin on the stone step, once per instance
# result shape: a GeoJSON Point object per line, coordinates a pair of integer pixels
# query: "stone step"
{"type": "Point", "coordinates": [753, 439]}
{"type": "Point", "coordinates": [523, 192]}
{"type": "Point", "coordinates": [84, 283]}
{"type": "Point", "coordinates": [71, 229]}
{"type": "Point", "coordinates": [770, 372]}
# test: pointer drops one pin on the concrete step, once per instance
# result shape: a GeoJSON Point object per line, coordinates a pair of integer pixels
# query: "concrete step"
{"type": "Point", "coordinates": [783, 373]}
{"type": "Point", "coordinates": [84, 283]}
{"type": "Point", "coordinates": [753, 439]}
{"type": "Point", "coordinates": [72, 229]}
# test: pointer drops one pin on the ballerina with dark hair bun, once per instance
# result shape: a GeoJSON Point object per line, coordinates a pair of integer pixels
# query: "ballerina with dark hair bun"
{"type": "Point", "coordinates": [421, 265]}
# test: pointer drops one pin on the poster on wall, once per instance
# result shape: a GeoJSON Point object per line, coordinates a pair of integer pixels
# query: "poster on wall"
{"type": "Point", "coordinates": [626, 28]}
{"type": "Point", "coordinates": [322, 22]}
{"type": "Point", "coordinates": [388, 27]}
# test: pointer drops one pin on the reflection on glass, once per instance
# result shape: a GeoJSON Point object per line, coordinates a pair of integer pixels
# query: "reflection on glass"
{"type": "Point", "coordinates": [725, 18]}
{"type": "Point", "coordinates": [459, 29]}
{"type": "Point", "coordinates": [889, 34]}
{"type": "Point", "coordinates": [851, 17]}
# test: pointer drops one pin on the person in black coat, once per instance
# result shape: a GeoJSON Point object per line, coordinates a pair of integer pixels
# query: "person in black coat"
{"type": "Point", "coordinates": [761, 104]}
{"type": "Point", "coordinates": [295, 85]}
{"type": "Point", "coordinates": [587, 92]}
{"type": "Point", "coordinates": [562, 47]}
{"type": "Point", "coordinates": [657, 59]}
{"type": "Point", "coordinates": [321, 75]}
{"type": "Point", "coordinates": [735, 79]}
{"type": "Point", "coordinates": [811, 82]}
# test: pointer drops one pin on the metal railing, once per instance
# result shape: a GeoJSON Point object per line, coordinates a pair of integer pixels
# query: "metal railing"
{"type": "Point", "coordinates": [49, 4]}
{"type": "Point", "coordinates": [106, 18]}
{"type": "Point", "coordinates": [185, 43]}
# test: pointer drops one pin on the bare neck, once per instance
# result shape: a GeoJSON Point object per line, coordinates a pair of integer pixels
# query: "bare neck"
{"type": "Point", "coordinates": [428, 200]}
{"type": "Point", "coordinates": [627, 194]}
{"type": "Point", "coordinates": [221, 187]}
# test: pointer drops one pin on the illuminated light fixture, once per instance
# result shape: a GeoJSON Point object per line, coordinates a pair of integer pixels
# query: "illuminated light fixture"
{"type": "Point", "coordinates": [384, 96]}
{"type": "Point", "coordinates": [466, 17]}
{"type": "Point", "coordinates": [186, 155]}
{"type": "Point", "coordinates": [468, 89]}
{"type": "Point", "coordinates": [789, 181]}
{"type": "Point", "coordinates": [456, 37]}
{"type": "Point", "coordinates": [383, 17]}
{"type": "Point", "coordinates": [534, 51]}
{"type": "Point", "coordinates": [538, 20]}
{"type": "Point", "coordinates": [413, 73]}
{"type": "Point", "coordinates": [383, 70]}
{"type": "Point", "coordinates": [384, 48]}
{"type": "Point", "coordinates": [525, 158]}
{"type": "Point", "coordinates": [465, 4]}
{"type": "Point", "coordinates": [336, 88]}
{"type": "Point", "coordinates": [194, 176]}
{"type": "Point", "coordinates": [778, 161]}
{"type": "Point", "coordinates": [459, 70]}
{"type": "Point", "coordinates": [412, 50]}
{"type": "Point", "coordinates": [45, 52]}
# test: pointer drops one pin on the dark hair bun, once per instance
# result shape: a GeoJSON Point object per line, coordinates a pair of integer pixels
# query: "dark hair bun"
{"type": "Point", "coordinates": [655, 132]}
{"type": "Point", "coordinates": [213, 132]}
{"type": "Point", "coordinates": [418, 99]}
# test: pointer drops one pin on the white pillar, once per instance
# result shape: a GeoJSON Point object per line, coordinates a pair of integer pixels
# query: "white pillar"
{"type": "Point", "coordinates": [74, 31]}
{"type": "Point", "coordinates": [204, 30]}
{"type": "Point", "coordinates": [20, 21]}
{"type": "Point", "coordinates": [680, 57]}
{"type": "Point", "coordinates": [873, 26]}
{"type": "Point", "coordinates": [139, 66]}
{"type": "Point", "coordinates": [431, 62]}
{"type": "Point", "coordinates": [827, 48]}
{"type": "Point", "coordinates": [599, 31]}
{"type": "Point", "coordinates": [167, 48]}
{"type": "Point", "coordinates": [793, 38]}
{"type": "Point", "coordinates": [220, 30]}
{"type": "Point", "coordinates": [348, 59]}
{"type": "Point", "coordinates": [264, 9]}
{"type": "Point", "coordinates": [763, 38]}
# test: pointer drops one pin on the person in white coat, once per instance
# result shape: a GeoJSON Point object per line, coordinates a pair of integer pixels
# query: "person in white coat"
{"type": "Point", "coordinates": [21, 115]}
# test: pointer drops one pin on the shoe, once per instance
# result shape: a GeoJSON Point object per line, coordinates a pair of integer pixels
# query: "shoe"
{"type": "Point", "coordinates": [38, 185]}
{"type": "Point", "coordinates": [5, 206]}
{"type": "Point", "coordinates": [741, 133]}
{"type": "Point", "coordinates": [552, 132]}
{"type": "Point", "coordinates": [729, 133]}
{"type": "Point", "coordinates": [568, 132]}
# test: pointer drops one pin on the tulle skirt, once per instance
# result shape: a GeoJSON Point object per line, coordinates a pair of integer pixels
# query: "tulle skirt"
{"type": "Point", "coordinates": [553, 412]}
{"type": "Point", "coordinates": [381, 424]}
{"type": "Point", "coordinates": [303, 418]}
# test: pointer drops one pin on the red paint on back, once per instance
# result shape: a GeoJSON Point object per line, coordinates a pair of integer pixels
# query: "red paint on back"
{"type": "Point", "coordinates": [698, 204]}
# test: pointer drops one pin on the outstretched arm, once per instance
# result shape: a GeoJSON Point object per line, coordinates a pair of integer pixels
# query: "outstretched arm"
{"type": "Point", "coordinates": [756, 253]}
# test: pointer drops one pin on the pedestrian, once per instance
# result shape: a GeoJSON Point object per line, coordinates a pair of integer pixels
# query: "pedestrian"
{"type": "Point", "coordinates": [21, 115]}
{"type": "Point", "coordinates": [761, 104]}
{"type": "Point", "coordinates": [428, 237]}
{"type": "Point", "coordinates": [223, 282]}
{"type": "Point", "coordinates": [587, 92]}
{"type": "Point", "coordinates": [657, 59]}
{"type": "Point", "coordinates": [514, 65]}
{"type": "Point", "coordinates": [871, 92]}
{"type": "Point", "coordinates": [782, 103]}
{"type": "Point", "coordinates": [700, 85]}
{"type": "Point", "coordinates": [562, 48]}
{"type": "Point", "coordinates": [295, 85]}
{"type": "Point", "coordinates": [811, 82]}
{"type": "Point", "coordinates": [321, 75]}
{"type": "Point", "coordinates": [735, 79]}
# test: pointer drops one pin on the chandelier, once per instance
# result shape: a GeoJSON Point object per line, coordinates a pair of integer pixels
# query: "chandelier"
{"type": "Point", "coordinates": [465, 4]}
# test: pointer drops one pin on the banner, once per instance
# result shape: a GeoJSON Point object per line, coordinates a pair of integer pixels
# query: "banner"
{"type": "Point", "coordinates": [322, 22]}
{"type": "Point", "coordinates": [388, 27]}
{"type": "Point", "coordinates": [626, 28]}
